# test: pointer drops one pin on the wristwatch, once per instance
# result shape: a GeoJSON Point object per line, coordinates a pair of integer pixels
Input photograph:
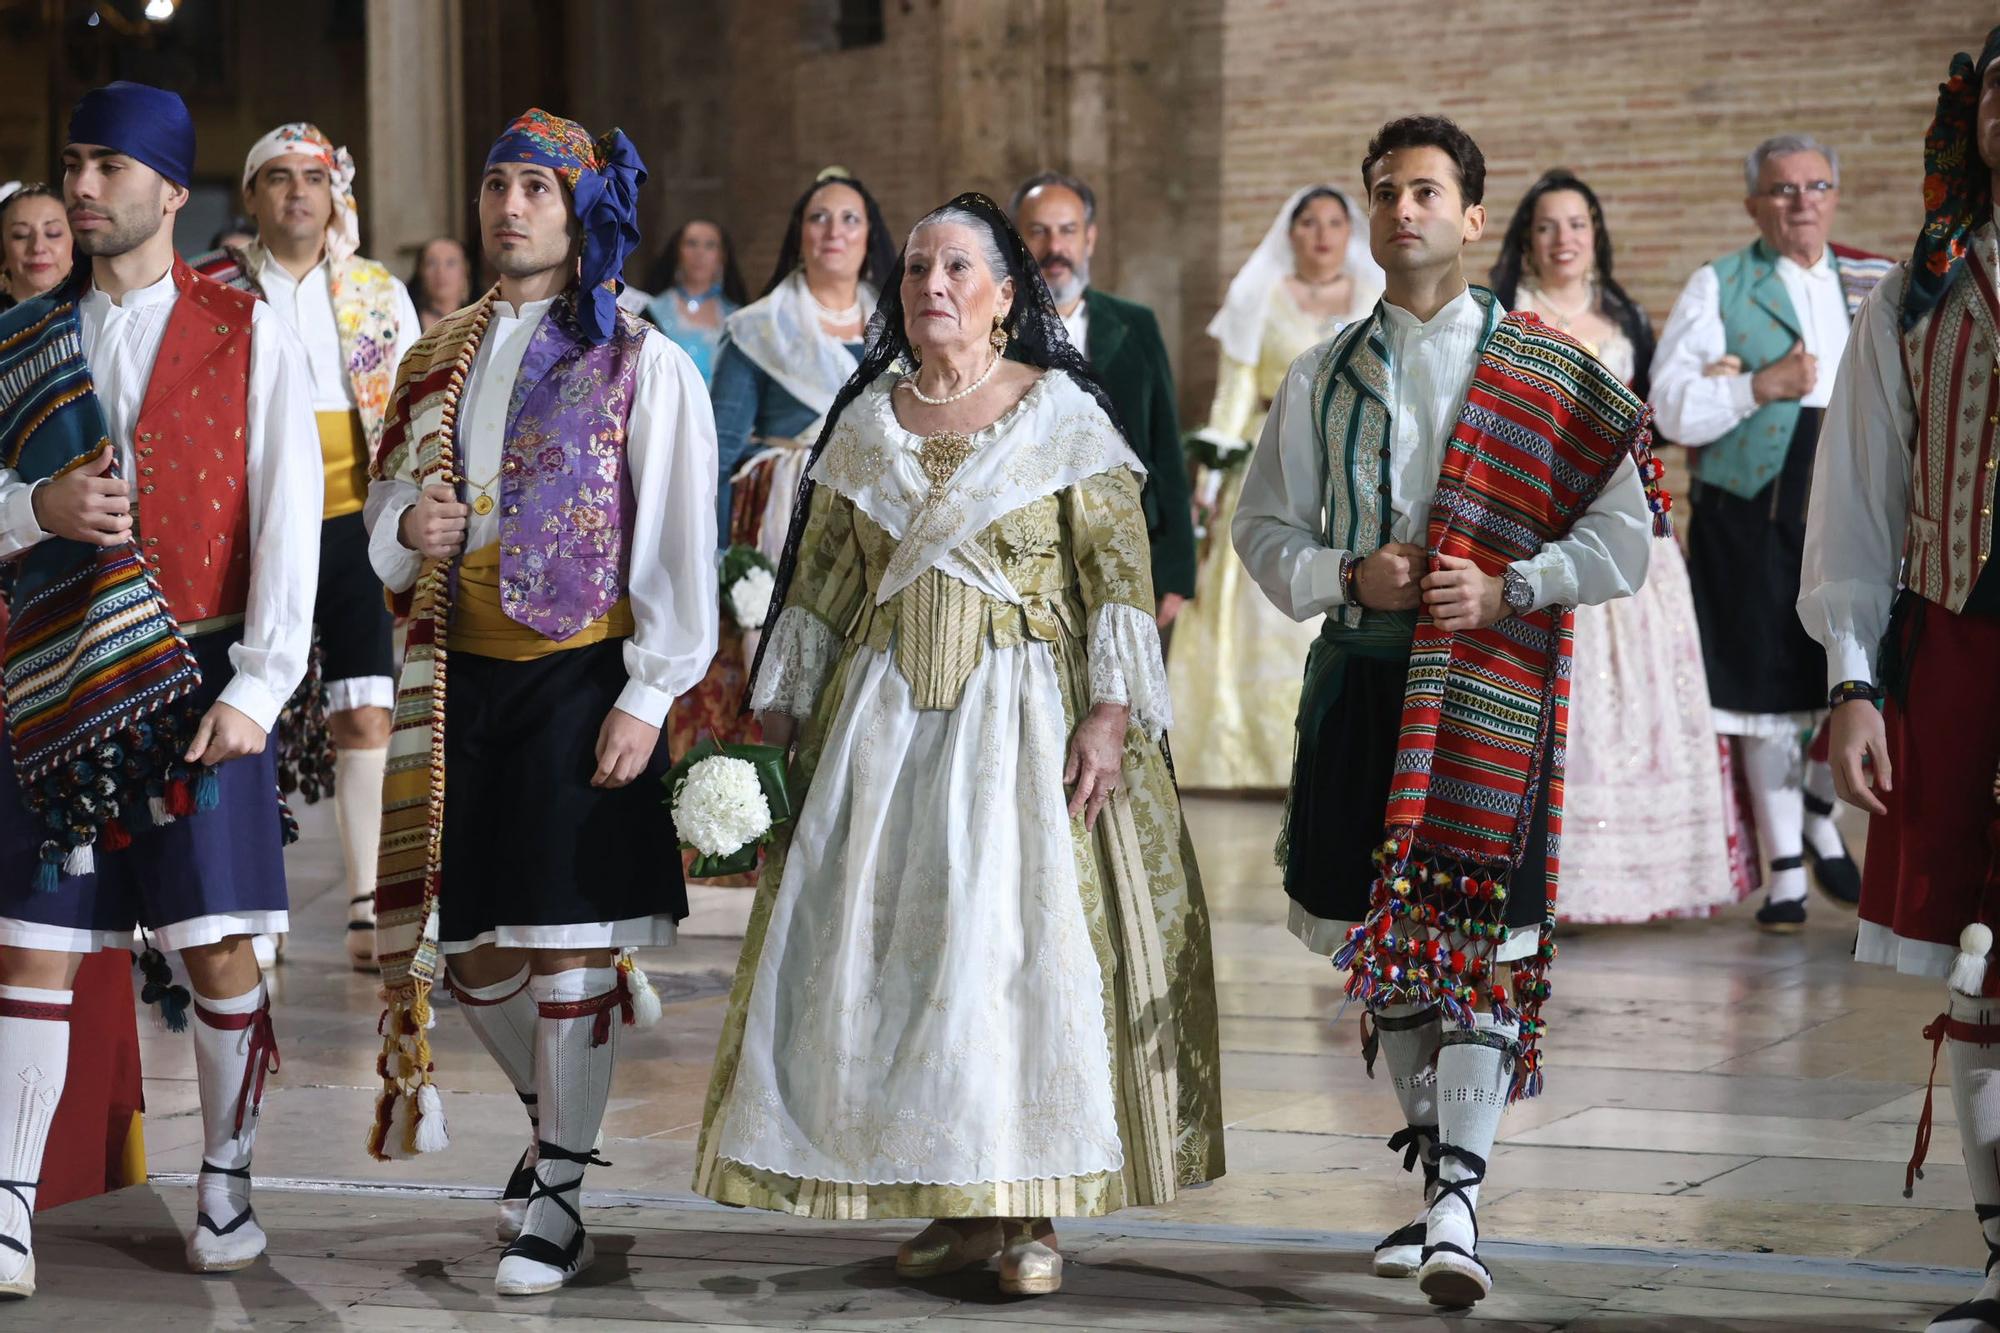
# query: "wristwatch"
{"type": "Point", "coordinates": [1849, 690]}
{"type": "Point", "coordinates": [1349, 563]}
{"type": "Point", "coordinates": [1516, 591]}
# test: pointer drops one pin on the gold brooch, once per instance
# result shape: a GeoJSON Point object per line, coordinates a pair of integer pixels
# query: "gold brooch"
{"type": "Point", "coordinates": [942, 455]}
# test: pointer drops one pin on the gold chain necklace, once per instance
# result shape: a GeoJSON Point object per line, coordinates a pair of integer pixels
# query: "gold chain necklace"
{"type": "Point", "coordinates": [482, 504]}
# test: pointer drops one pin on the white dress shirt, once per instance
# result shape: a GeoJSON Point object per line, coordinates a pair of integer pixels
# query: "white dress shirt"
{"type": "Point", "coordinates": [1077, 325]}
{"type": "Point", "coordinates": [671, 451]}
{"type": "Point", "coordinates": [282, 472]}
{"type": "Point", "coordinates": [306, 304]}
{"type": "Point", "coordinates": [1696, 409]}
{"type": "Point", "coordinates": [1280, 518]}
{"type": "Point", "coordinates": [1860, 493]}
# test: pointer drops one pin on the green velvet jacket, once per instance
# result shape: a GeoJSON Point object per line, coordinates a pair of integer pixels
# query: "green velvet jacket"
{"type": "Point", "coordinates": [1130, 357]}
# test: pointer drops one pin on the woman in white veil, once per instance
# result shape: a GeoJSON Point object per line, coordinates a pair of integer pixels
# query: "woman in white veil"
{"type": "Point", "coordinates": [1236, 661]}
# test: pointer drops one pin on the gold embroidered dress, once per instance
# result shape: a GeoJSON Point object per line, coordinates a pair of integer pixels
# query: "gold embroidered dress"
{"type": "Point", "coordinates": [952, 999]}
{"type": "Point", "coordinates": [1237, 660]}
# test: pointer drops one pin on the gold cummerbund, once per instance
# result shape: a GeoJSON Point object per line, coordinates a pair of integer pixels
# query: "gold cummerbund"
{"type": "Point", "coordinates": [479, 626]}
{"type": "Point", "coordinates": [343, 450]}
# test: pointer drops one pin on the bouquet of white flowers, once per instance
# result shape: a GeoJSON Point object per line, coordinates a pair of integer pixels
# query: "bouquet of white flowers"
{"type": "Point", "coordinates": [727, 800]}
{"type": "Point", "coordinates": [1213, 449]}
{"type": "Point", "coordinates": [748, 580]}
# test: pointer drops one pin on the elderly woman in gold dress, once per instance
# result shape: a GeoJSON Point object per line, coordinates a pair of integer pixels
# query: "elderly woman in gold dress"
{"type": "Point", "coordinates": [976, 985]}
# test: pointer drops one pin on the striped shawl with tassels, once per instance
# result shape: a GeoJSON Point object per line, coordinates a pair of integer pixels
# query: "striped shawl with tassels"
{"type": "Point", "coordinates": [1544, 429]}
{"type": "Point", "coordinates": [97, 675]}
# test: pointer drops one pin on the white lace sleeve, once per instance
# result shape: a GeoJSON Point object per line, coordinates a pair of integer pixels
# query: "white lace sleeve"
{"type": "Point", "coordinates": [797, 661]}
{"type": "Point", "coordinates": [1126, 667]}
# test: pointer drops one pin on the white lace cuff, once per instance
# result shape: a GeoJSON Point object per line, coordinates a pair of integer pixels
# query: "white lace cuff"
{"type": "Point", "coordinates": [797, 661]}
{"type": "Point", "coordinates": [1126, 666]}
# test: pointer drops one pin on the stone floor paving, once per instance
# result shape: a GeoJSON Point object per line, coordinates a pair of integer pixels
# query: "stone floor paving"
{"type": "Point", "coordinates": [1721, 1145]}
{"type": "Point", "coordinates": [423, 1259]}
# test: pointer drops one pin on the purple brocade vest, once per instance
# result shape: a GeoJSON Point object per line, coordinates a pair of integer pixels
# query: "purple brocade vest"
{"type": "Point", "coordinates": [566, 496]}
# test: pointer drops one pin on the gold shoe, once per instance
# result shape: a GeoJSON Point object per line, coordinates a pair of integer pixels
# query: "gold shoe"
{"type": "Point", "coordinates": [940, 1248]}
{"type": "Point", "coordinates": [1029, 1266]}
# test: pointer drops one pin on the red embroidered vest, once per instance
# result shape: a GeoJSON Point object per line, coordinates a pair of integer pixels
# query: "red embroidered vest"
{"type": "Point", "coordinates": [193, 512]}
{"type": "Point", "coordinates": [1951, 356]}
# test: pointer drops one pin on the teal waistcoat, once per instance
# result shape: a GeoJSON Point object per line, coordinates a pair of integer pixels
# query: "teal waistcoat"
{"type": "Point", "coordinates": [1761, 326]}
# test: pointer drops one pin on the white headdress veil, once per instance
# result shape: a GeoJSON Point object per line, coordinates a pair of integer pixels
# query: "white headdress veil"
{"type": "Point", "coordinates": [1239, 325]}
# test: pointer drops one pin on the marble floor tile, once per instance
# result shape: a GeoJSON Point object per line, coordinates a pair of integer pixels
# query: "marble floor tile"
{"type": "Point", "coordinates": [1838, 1181]}
{"type": "Point", "coordinates": [1748, 1135]}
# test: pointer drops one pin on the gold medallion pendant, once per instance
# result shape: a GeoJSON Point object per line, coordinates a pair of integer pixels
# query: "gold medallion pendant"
{"type": "Point", "coordinates": [482, 505]}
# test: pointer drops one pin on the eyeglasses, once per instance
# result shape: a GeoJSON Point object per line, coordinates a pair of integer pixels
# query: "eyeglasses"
{"type": "Point", "coordinates": [1790, 190]}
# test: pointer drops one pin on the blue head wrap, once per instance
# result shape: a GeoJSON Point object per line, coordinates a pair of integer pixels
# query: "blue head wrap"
{"type": "Point", "coordinates": [146, 124]}
{"type": "Point", "coordinates": [604, 176]}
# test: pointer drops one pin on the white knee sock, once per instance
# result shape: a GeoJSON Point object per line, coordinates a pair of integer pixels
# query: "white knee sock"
{"type": "Point", "coordinates": [1771, 767]}
{"type": "Point", "coordinates": [1975, 1093]}
{"type": "Point", "coordinates": [504, 1017]}
{"type": "Point", "coordinates": [1411, 1054]}
{"type": "Point", "coordinates": [1474, 1069]}
{"type": "Point", "coordinates": [233, 1045]}
{"type": "Point", "coordinates": [34, 1060]}
{"type": "Point", "coordinates": [357, 809]}
{"type": "Point", "coordinates": [1821, 833]}
{"type": "Point", "coordinates": [573, 1083]}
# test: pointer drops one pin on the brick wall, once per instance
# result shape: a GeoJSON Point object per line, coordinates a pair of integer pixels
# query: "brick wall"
{"type": "Point", "coordinates": [1196, 119]}
{"type": "Point", "coordinates": [1654, 104]}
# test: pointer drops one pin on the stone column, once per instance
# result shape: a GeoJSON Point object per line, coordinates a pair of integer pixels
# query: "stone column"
{"type": "Point", "coordinates": [415, 173]}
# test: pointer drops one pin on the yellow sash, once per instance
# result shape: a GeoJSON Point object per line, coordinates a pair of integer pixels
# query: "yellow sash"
{"type": "Point", "coordinates": [480, 627]}
{"type": "Point", "coordinates": [344, 452]}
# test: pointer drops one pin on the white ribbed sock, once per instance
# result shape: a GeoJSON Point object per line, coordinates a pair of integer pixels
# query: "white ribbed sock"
{"type": "Point", "coordinates": [34, 1061]}
{"type": "Point", "coordinates": [1771, 767]}
{"type": "Point", "coordinates": [573, 1084]}
{"type": "Point", "coordinates": [506, 1025]}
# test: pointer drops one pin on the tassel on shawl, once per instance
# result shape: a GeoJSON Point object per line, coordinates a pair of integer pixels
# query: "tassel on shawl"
{"type": "Point", "coordinates": [161, 989]}
{"type": "Point", "coordinates": [409, 1114]}
{"type": "Point", "coordinates": [645, 999]}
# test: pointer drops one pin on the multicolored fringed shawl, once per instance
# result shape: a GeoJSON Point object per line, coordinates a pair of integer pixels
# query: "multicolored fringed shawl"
{"type": "Point", "coordinates": [419, 446]}
{"type": "Point", "coordinates": [97, 675]}
{"type": "Point", "coordinates": [1543, 429]}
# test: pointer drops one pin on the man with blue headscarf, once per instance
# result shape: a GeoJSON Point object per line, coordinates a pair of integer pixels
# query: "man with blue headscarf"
{"type": "Point", "coordinates": [544, 498]}
{"type": "Point", "coordinates": [1903, 493]}
{"type": "Point", "coordinates": [159, 499]}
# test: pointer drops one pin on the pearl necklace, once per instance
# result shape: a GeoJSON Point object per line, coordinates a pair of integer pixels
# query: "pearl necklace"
{"type": "Point", "coordinates": [1563, 318]}
{"type": "Point", "coordinates": [910, 383]}
{"type": "Point", "coordinates": [837, 318]}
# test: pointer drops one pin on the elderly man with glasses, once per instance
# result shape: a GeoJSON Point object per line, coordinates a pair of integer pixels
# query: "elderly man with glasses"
{"type": "Point", "coordinates": [1742, 376]}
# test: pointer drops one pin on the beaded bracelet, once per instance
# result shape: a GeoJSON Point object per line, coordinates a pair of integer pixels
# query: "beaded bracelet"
{"type": "Point", "coordinates": [1349, 565]}
{"type": "Point", "coordinates": [1849, 690]}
